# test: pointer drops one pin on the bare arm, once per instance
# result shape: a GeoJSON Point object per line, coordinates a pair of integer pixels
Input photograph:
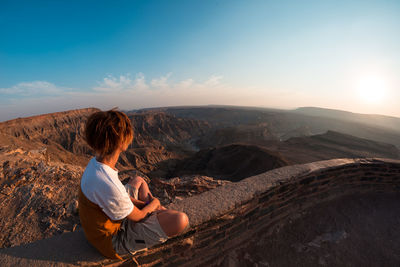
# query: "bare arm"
{"type": "Point", "coordinates": [138, 203]}
{"type": "Point", "coordinates": [140, 213]}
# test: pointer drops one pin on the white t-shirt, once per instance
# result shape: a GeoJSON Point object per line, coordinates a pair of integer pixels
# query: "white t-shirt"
{"type": "Point", "coordinates": [101, 185]}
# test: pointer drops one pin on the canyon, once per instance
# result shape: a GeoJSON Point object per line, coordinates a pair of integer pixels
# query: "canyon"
{"type": "Point", "coordinates": [182, 152]}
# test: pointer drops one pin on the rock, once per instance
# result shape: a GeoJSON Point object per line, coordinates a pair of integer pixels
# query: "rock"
{"type": "Point", "coordinates": [73, 207]}
{"type": "Point", "coordinates": [183, 245]}
{"type": "Point", "coordinates": [166, 194]}
{"type": "Point", "coordinates": [6, 191]}
{"type": "Point", "coordinates": [75, 227]}
{"type": "Point", "coordinates": [41, 166]}
{"type": "Point", "coordinates": [178, 188]}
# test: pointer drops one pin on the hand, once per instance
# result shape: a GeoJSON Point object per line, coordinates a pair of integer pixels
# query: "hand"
{"type": "Point", "coordinates": [153, 199]}
{"type": "Point", "coordinates": [161, 208]}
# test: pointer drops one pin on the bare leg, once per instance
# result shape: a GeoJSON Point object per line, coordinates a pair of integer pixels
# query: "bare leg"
{"type": "Point", "coordinates": [172, 222]}
{"type": "Point", "coordinates": [144, 193]}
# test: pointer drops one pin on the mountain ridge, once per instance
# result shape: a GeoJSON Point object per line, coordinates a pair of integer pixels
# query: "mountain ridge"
{"type": "Point", "coordinates": [43, 157]}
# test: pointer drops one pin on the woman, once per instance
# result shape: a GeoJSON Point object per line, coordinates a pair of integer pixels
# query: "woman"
{"type": "Point", "coordinates": [119, 219]}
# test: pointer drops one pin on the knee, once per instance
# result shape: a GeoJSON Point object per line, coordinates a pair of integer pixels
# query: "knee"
{"type": "Point", "coordinates": [136, 181]}
{"type": "Point", "coordinates": [182, 221]}
{"type": "Point", "coordinates": [173, 222]}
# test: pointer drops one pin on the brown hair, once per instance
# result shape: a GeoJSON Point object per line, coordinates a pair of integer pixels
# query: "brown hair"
{"type": "Point", "coordinates": [105, 131]}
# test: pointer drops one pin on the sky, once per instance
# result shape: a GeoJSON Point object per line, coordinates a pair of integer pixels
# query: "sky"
{"type": "Point", "coordinates": [62, 55]}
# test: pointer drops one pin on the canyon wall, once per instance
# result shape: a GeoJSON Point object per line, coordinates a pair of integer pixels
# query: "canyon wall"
{"type": "Point", "coordinates": [223, 219]}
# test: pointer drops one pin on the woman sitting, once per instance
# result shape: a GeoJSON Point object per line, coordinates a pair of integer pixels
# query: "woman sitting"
{"type": "Point", "coordinates": [119, 219]}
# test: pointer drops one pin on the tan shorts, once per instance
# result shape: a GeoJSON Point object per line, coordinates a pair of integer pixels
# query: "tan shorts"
{"type": "Point", "coordinates": [136, 236]}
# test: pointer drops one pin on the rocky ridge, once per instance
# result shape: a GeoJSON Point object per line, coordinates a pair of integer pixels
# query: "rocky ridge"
{"type": "Point", "coordinates": [42, 159]}
{"type": "Point", "coordinates": [39, 197]}
{"type": "Point", "coordinates": [34, 198]}
{"type": "Point", "coordinates": [232, 162]}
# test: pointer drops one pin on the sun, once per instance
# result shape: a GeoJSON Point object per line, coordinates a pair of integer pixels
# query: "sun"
{"type": "Point", "coordinates": [372, 89]}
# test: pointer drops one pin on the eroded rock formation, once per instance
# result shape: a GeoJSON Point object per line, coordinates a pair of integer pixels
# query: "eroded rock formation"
{"type": "Point", "coordinates": [42, 159]}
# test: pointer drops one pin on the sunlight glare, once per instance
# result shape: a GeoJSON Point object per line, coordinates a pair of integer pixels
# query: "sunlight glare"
{"type": "Point", "coordinates": [372, 89]}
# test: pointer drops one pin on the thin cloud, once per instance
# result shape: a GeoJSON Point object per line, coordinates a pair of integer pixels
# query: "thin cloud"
{"type": "Point", "coordinates": [122, 83]}
{"type": "Point", "coordinates": [164, 89]}
{"type": "Point", "coordinates": [161, 83]}
{"type": "Point", "coordinates": [186, 83]}
{"type": "Point", "coordinates": [33, 89]}
{"type": "Point", "coordinates": [140, 82]}
{"type": "Point", "coordinates": [113, 84]}
{"type": "Point", "coordinates": [214, 81]}
{"type": "Point", "coordinates": [128, 93]}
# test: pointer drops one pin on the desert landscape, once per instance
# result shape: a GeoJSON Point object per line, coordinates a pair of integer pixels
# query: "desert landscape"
{"type": "Point", "coordinates": [273, 125]}
{"type": "Point", "coordinates": [181, 151]}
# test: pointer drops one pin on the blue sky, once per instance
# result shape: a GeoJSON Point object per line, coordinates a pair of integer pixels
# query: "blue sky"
{"type": "Point", "coordinates": [60, 55]}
